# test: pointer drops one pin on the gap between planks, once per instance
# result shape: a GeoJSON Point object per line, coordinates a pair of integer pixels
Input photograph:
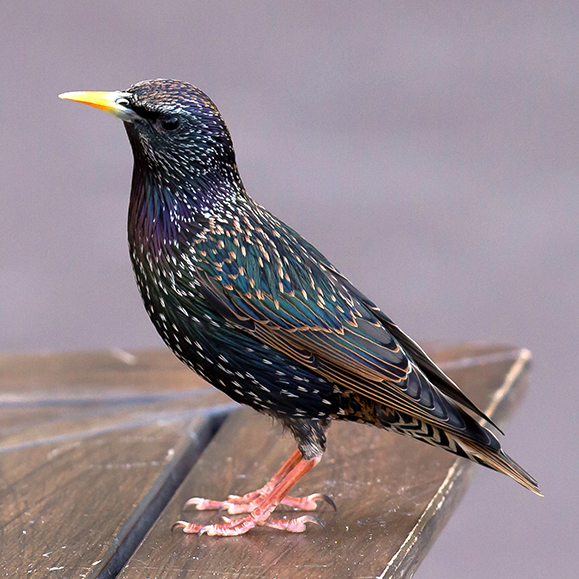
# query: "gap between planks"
{"type": "Point", "coordinates": [153, 504]}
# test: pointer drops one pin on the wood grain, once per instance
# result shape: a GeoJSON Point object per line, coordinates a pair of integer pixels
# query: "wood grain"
{"type": "Point", "coordinates": [67, 373]}
{"type": "Point", "coordinates": [393, 494]}
{"type": "Point", "coordinates": [91, 449]}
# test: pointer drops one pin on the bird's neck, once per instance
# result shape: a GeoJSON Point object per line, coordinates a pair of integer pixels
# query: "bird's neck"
{"type": "Point", "coordinates": [165, 210]}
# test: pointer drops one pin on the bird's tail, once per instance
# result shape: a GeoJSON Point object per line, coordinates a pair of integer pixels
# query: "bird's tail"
{"type": "Point", "coordinates": [501, 462]}
{"type": "Point", "coordinates": [488, 453]}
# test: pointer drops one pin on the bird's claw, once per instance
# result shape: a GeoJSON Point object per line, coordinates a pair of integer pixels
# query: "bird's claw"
{"type": "Point", "coordinates": [297, 525]}
{"type": "Point", "coordinates": [181, 525]}
{"type": "Point", "coordinates": [203, 504]}
{"type": "Point", "coordinates": [327, 499]}
{"type": "Point", "coordinates": [309, 503]}
{"type": "Point", "coordinates": [203, 530]}
{"type": "Point", "coordinates": [235, 505]}
{"type": "Point", "coordinates": [235, 527]}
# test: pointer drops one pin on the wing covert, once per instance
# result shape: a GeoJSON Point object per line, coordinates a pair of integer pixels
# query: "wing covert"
{"type": "Point", "coordinates": [286, 293]}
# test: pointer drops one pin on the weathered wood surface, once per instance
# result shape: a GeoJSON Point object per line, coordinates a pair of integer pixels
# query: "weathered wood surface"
{"type": "Point", "coordinates": [93, 446]}
{"type": "Point", "coordinates": [393, 494]}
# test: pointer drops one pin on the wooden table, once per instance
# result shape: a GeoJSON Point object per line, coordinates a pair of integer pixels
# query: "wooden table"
{"type": "Point", "coordinates": [99, 451]}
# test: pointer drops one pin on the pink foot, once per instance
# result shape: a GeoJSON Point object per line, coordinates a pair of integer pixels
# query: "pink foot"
{"type": "Point", "coordinates": [261, 503]}
{"type": "Point", "coordinates": [235, 527]}
{"type": "Point", "coordinates": [247, 503]}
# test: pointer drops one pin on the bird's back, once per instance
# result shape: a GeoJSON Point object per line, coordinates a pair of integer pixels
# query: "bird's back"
{"type": "Point", "coordinates": [260, 313]}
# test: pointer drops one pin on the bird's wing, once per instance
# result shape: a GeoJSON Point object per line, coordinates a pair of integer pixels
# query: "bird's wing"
{"type": "Point", "coordinates": [284, 291]}
{"type": "Point", "coordinates": [420, 357]}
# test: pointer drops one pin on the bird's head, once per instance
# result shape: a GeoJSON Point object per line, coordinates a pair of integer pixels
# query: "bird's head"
{"type": "Point", "coordinates": [174, 128]}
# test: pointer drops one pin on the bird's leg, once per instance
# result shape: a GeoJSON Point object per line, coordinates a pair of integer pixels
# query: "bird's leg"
{"type": "Point", "coordinates": [275, 491]}
{"type": "Point", "coordinates": [247, 503]}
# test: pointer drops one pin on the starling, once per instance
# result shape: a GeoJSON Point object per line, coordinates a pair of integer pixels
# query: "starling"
{"type": "Point", "coordinates": [260, 313]}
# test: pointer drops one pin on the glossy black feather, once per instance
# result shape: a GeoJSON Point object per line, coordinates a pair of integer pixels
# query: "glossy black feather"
{"type": "Point", "coordinates": [255, 309]}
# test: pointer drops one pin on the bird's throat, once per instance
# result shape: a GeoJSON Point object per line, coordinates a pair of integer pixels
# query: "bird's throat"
{"type": "Point", "coordinates": [166, 209]}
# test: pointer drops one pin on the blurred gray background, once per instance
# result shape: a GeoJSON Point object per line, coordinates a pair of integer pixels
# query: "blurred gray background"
{"type": "Point", "coordinates": [430, 150]}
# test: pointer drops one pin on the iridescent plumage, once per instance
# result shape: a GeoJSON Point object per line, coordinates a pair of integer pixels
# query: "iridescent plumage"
{"type": "Point", "coordinates": [257, 311]}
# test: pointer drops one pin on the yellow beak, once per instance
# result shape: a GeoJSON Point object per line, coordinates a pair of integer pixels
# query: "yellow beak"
{"type": "Point", "coordinates": [115, 103]}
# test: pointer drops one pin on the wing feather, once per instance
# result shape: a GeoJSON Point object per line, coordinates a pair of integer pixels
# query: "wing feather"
{"type": "Point", "coordinates": [289, 296]}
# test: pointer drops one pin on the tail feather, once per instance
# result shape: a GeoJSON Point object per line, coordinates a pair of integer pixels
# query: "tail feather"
{"type": "Point", "coordinates": [489, 455]}
{"type": "Point", "coordinates": [501, 462]}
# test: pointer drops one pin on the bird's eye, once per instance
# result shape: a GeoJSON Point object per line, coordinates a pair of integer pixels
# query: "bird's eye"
{"type": "Point", "coordinates": [170, 123]}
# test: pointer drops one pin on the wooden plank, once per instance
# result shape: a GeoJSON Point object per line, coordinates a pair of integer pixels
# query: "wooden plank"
{"type": "Point", "coordinates": [393, 494]}
{"type": "Point", "coordinates": [91, 449]}
{"type": "Point", "coordinates": [45, 396]}
{"type": "Point", "coordinates": [81, 373]}
{"type": "Point", "coordinates": [62, 421]}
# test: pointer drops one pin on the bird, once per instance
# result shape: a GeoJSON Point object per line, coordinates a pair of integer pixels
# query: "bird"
{"type": "Point", "coordinates": [258, 312]}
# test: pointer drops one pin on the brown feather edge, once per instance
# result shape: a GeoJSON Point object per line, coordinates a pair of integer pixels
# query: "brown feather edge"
{"type": "Point", "coordinates": [455, 471]}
